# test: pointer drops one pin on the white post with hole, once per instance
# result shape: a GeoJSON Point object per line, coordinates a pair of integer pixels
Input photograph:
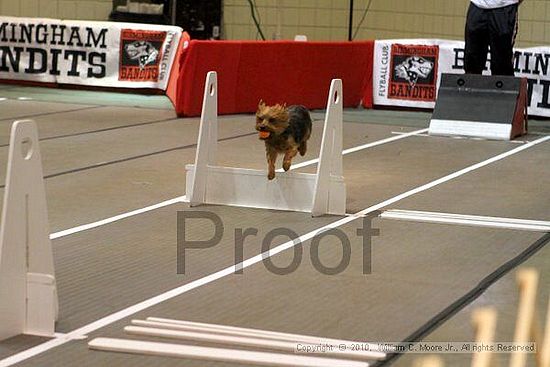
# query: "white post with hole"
{"type": "Point", "coordinates": [208, 142]}
{"type": "Point", "coordinates": [28, 296]}
{"type": "Point", "coordinates": [329, 169]}
{"type": "Point", "coordinates": [320, 193]}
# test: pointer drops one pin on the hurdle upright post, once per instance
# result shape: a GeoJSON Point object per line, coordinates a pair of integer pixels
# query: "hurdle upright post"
{"type": "Point", "coordinates": [429, 361]}
{"type": "Point", "coordinates": [28, 296]}
{"type": "Point", "coordinates": [544, 349]}
{"type": "Point", "coordinates": [484, 321]}
{"type": "Point", "coordinates": [526, 322]}
{"type": "Point", "coordinates": [208, 138]}
{"type": "Point", "coordinates": [330, 157]}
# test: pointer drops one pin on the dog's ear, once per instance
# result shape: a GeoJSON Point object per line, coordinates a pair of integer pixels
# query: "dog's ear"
{"type": "Point", "coordinates": [261, 107]}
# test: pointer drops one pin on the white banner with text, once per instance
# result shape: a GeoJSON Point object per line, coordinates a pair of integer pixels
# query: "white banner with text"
{"type": "Point", "coordinates": [407, 72]}
{"type": "Point", "coordinates": [104, 54]}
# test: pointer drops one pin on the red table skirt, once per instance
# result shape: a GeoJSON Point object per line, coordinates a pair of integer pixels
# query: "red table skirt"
{"type": "Point", "coordinates": [274, 71]}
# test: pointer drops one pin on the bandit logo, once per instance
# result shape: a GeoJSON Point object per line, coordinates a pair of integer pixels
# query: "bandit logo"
{"type": "Point", "coordinates": [142, 51]}
{"type": "Point", "coordinates": [413, 72]}
{"type": "Point", "coordinates": [140, 55]}
{"type": "Point", "coordinates": [414, 67]}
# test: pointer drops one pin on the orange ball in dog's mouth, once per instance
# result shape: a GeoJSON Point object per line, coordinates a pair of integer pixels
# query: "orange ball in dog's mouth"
{"type": "Point", "coordinates": [264, 134]}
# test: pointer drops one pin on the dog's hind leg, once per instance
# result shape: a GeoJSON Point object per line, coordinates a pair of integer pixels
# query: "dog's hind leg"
{"type": "Point", "coordinates": [303, 148]}
{"type": "Point", "coordinates": [271, 155]}
{"type": "Point", "coordinates": [287, 161]}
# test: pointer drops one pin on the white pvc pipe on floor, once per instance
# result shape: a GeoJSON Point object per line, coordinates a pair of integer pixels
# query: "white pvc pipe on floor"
{"type": "Point", "coordinates": [232, 330]}
{"type": "Point", "coordinates": [217, 354]}
{"type": "Point", "coordinates": [467, 220]}
{"type": "Point", "coordinates": [326, 350]}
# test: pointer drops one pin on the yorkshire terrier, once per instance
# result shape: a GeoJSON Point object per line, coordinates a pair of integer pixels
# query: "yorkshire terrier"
{"type": "Point", "coordinates": [285, 130]}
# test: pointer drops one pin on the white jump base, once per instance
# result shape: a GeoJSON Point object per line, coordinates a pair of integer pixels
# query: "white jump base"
{"type": "Point", "coordinates": [250, 188]}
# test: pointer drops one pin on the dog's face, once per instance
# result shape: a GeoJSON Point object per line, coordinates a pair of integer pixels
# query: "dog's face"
{"type": "Point", "coordinates": [271, 120]}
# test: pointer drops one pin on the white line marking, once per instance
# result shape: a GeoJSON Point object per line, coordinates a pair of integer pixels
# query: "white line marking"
{"type": "Point", "coordinates": [360, 147]}
{"type": "Point", "coordinates": [85, 227]}
{"type": "Point", "coordinates": [468, 220]}
{"type": "Point", "coordinates": [64, 336]}
{"type": "Point", "coordinates": [179, 199]}
{"type": "Point", "coordinates": [462, 137]}
{"type": "Point", "coordinates": [129, 311]}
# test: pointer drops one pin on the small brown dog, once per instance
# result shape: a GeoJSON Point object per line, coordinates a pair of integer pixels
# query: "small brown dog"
{"type": "Point", "coordinates": [285, 130]}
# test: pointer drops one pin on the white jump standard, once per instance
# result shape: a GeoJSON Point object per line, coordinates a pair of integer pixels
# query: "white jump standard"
{"type": "Point", "coordinates": [28, 296]}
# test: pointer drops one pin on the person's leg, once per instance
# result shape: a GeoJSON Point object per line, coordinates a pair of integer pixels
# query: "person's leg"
{"type": "Point", "coordinates": [503, 24]}
{"type": "Point", "coordinates": [477, 40]}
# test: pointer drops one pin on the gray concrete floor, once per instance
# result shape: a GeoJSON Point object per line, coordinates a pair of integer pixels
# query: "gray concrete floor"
{"type": "Point", "coordinates": [106, 154]}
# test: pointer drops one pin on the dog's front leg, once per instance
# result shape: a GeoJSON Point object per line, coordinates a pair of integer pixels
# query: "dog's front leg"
{"type": "Point", "coordinates": [271, 158]}
{"type": "Point", "coordinates": [287, 161]}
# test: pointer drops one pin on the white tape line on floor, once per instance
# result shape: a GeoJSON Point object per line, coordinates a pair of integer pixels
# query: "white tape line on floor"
{"type": "Point", "coordinates": [84, 227]}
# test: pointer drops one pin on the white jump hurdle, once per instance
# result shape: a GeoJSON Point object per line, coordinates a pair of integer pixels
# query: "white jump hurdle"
{"type": "Point", "coordinates": [28, 296]}
{"type": "Point", "coordinates": [320, 193]}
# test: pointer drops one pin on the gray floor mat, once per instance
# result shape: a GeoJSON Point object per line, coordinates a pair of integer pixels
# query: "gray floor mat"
{"type": "Point", "coordinates": [15, 109]}
{"type": "Point", "coordinates": [60, 124]}
{"type": "Point", "coordinates": [418, 269]}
